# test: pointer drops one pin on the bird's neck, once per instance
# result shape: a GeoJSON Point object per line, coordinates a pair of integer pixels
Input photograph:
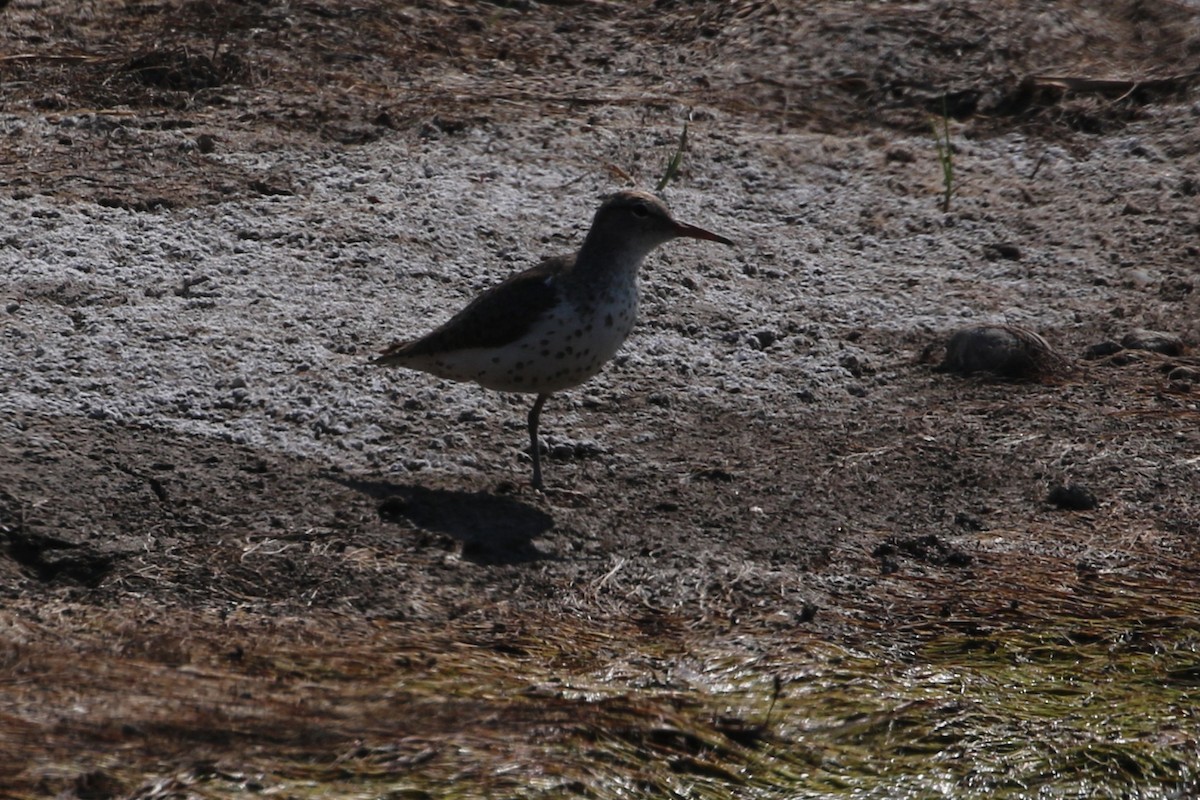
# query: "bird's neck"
{"type": "Point", "coordinates": [607, 260]}
{"type": "Point", "coordinates": [602, 272]}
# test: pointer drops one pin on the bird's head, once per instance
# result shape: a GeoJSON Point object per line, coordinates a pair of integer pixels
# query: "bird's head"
{"type": "Point", "coordinates": [643, 222]}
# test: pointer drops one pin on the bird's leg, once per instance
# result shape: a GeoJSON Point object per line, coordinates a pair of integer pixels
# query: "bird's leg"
{"type": "Point", "coordinates": [535, 451]}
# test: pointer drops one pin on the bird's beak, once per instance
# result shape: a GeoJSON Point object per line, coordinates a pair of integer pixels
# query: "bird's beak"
{"type": "Point", "coordinates": [692, 232]}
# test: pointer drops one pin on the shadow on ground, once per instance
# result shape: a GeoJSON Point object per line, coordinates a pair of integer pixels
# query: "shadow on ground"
{"type": "Point", "coordinates": [489, 529]}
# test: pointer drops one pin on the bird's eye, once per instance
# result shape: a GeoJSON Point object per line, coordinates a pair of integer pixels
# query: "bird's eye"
{"type": "Point", "coordinates": [640, 210]}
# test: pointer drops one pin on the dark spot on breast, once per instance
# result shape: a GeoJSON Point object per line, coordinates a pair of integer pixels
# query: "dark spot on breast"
{"type": "Point", "coordinates": [560, 355]}
{"type": "Point", "coordinates": [495, 359]}
{"type": "Point", "coordinates": [545, 354]}
{"type": "Point", "coordinates": [608, 320]}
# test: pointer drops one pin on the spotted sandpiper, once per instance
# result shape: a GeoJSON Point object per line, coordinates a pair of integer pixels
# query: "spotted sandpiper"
{"type": "Point", "coordinates": [555, 325]}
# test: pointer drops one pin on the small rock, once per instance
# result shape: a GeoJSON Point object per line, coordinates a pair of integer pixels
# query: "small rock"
{"type": "Point", "coordinates": [969, 522]}
{"type": "Point", "coordinates": [1182, 378]}
{"type": "Point", "coordinates": [1184, 375]}
{"type": "Point", "coordinates": [900, 155]}
{"type": "Point", "coordinates": [852, 364]}
{"type": "Point", "coordinates": [1154, 341]}
{"type": "Point", "coordinates": [660, 399]}
{"type": "Point", "coordinates": [765, 338]}
{"type": "Point", "coordinates": [1072, 497]}
{"type": "Point", "coordinates": [1175, 288]}
{"type": "Point", "coordinates": [714, 474]}
{"type": "Point", "coordinates": [393, 509]}
{"type": "Point", "coordinates": [1005, 250]}
{"type": "Point", "coordinates": [1125, 357]}
{"type": "Point", "coordinates": [1000, 349]}
{"type": "Point", "coordinates": [1101, 349]}
{"type": "Point", "coordinates": [568, 449]}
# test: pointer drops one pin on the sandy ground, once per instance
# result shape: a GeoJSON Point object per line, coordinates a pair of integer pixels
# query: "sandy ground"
{"type": "Point", "coordinates": [212, 223]}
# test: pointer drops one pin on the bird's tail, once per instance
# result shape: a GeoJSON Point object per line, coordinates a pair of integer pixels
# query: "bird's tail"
{"type": "Point", "coordinates": [394, 356]}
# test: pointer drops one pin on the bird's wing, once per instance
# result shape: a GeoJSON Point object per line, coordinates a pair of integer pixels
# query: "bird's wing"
{"type": "Point", "coordinates": [500, 315]}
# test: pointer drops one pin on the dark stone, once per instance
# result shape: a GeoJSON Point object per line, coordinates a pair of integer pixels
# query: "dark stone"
{"type": "Point", "coordinates": [1072, 497]}
{"type": "Point", "coordinates": [969, 522]}
{"type": "Point", "coordinates": [1154, 341]}
{"type": "Point", "coordinates": [1101, 349]}
{"type": "Point", "coordinates": [1005, 250]}
{"type": "Point", "coordinates": [1003, 350]}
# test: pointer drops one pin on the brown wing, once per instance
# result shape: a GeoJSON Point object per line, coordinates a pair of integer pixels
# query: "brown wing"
{"type": "Point", "coordinates": [500, 315]}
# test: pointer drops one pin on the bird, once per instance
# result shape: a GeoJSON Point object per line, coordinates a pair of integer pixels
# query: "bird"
{"type": "Point", "coordinates": [552, 326]}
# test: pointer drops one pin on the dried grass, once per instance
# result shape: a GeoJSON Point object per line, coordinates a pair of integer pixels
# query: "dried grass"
{"type": "Point", "coordinates": [167, 704]}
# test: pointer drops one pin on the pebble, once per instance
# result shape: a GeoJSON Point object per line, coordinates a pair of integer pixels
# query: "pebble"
{"type": "Point", "coordinates": [1000, 349]}
{"type": "Point", "coordinates": [1154, 341]}
{"type": "Point", "coordinates": [1101, 349]}
{"type": "Point", "coordinates": [1072, 497]}
{"type": "Point", "coordinates": [1005, 250]}
{"type": "Point", "coordinates": [1184, 375]}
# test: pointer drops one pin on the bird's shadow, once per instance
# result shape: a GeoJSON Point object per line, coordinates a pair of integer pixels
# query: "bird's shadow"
{"type": "Point", "coordinates": [489, 529]}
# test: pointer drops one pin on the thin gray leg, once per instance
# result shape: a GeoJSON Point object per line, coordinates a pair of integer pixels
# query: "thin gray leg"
{"type": "Point", "coordinates": [535, 451]}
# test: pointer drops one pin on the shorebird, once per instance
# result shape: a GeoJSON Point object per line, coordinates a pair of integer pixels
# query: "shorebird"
{"type": "Point", "coordinates": [555, 325]}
